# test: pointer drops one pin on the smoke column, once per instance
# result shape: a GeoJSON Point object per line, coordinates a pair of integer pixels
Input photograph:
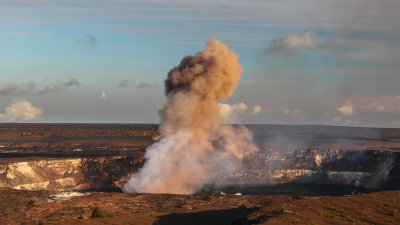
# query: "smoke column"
{"type": "Point", "coordinates": [192, 140]}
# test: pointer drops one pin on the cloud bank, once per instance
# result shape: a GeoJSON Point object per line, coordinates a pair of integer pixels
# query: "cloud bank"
{"type": "Point", "coordinates": [26, 89]}
{"type": "Point", "coordinates": [13, 89]}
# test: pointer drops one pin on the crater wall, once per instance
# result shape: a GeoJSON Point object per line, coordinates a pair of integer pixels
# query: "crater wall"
{"type": "Point", "coordinates": [101, 156]}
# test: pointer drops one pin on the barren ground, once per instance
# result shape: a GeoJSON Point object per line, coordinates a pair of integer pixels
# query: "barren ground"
{"type": "Point", "coordinates": [280, 204]}
{"type": "Point", "coordinates": [42, 207]}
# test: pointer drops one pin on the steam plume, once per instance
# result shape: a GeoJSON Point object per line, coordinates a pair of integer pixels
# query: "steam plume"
{"type": "Point", "coordinates": [192, 139]}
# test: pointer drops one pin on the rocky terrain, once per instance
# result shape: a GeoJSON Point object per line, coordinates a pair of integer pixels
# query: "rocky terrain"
{"type": "Point", "coordinates": [100, 156]}
{"type": "Point", "coordinates": [70, 157]}
{"type": "Point", "coordinates": [59, 173]}
{"type": "Point", "coordinates": [44, 207]}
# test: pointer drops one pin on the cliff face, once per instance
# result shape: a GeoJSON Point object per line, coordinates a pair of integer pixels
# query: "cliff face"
{"type": "Point", "coordinates": [67, 174]}
{"type": "Point", "coordinates": [370, 169]}
{"type": "Point", "coordinates": [99, 156]}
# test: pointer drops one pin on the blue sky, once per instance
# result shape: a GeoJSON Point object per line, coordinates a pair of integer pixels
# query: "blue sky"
{"type": "Point", "coordinates": [304, 62]}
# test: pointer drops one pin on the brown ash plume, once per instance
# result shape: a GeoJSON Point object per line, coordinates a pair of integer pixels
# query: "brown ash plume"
{"type": "Point", "coordinates": [192, 140]}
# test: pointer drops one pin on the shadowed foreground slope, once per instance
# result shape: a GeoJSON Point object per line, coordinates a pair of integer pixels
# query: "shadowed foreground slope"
{"type": "Point", "coordinates": [41, 207]}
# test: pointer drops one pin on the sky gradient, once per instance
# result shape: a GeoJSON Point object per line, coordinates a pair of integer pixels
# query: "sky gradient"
{"type": "Point", "coordinates": [304, 62]}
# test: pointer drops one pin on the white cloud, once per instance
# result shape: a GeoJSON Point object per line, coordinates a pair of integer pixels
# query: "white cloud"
{"type": "Point", "coordinates": [103, 95]}
{"type": "Point", "coordinates": [230, 113]}
{"type": "Point", "coordinates": [294, 42]}
{"type": "Point", "coordinates": [21, 110]}
{"type": "Point", "coordinates": [256, 110]}
{"type": "Point", "coordinates": [346, 109]}
{"type": "Point", "coordinates": [233, 113]}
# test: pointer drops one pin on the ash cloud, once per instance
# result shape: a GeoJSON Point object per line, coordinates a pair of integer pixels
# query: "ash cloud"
{"type": "Point", "coordinates": [21, 109]}
{"type": "Point", "coordinates": [192, 140]}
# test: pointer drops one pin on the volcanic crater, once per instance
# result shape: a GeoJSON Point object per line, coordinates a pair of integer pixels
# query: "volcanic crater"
{"type": "Point", "coordinates": [59, 173]}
